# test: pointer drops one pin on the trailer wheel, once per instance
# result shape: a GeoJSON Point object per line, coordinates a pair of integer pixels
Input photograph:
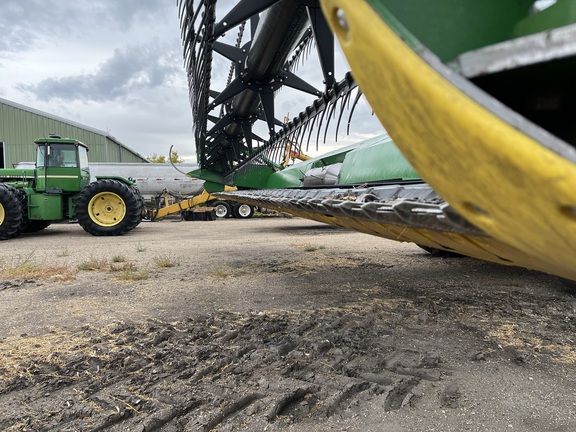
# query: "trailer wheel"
{"type": "Point", "coordinates": [243, 211]}
{"type": "Point", "coordinates": [10, 212]}
{"type": "Point", "coordinates": [108, 207]}
{"type": "Point", "coordinates": [222, 209]}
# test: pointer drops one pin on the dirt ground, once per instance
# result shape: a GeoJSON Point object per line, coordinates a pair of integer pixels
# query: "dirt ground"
{"type": "Point", "coordinates": [275, 324]}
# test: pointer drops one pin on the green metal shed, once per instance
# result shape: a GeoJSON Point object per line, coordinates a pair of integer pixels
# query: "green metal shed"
{"type": "Point", "coordinates": [20, 126]}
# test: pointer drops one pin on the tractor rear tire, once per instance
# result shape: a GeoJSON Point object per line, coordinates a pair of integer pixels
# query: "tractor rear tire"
{"type": "Point", "coordinates": [10, 212]}
{"type": "Point", "coordinates": [243, 211]}
{"type": "Point", "coordinates": [35, 225]}
{"type": "Point", "coordinates": [108, 208]}
{"type": "Point", "coordinates": [142, 203]}
{"type": "Point", "coordinates": [222, 209]}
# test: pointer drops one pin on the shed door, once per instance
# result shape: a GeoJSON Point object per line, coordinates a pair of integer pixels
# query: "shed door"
{"type": "Point", "coordinates": [2, 155]}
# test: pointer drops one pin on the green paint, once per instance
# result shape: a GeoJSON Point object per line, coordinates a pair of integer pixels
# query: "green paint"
{"type": "Point", "coordinates": [60, 175]}
{"type": "Point", "coordinates": [450, 27]}
{"type": "Point", "coordinates": [212, 187]}
{"type": "Point", "coordinates": [121, 179]}
{"type": "Point", "coordinates": [256, 177]}
{"type": "Point", "coordinates": [292, 175]}
{"type": "Point", "coordinates": [206, 174]}
{"type": "Point", "coordinates": [376, 160]}
{"type": "Point", "coordinates": [45, 207]}
{"type": "Point", "coordinates": [561, 14]}
{"type": "Point", "coordinates": [372, 160]}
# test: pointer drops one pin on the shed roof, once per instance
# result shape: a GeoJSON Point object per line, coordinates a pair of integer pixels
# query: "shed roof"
{"type": "Point", "coordinates": [70, 122]}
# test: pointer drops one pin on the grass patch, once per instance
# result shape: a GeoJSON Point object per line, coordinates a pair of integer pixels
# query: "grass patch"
{"type": "Point", "coordinates": [25, 268]}
{"type": "Point", "coordinates": [307, 247]}
{"type": "Point", "coordinates": [27, 358]}
{"type": "Point", "coordinates": [166, 261]}
{"type": "Point", "coordinates": [140, 247]}
{"type": "Point", "coordinates": [132, 275]}
{"type": "Point", "coordinates": [63, 253]}
{"type": "Point", "coordinates": [510, 335]}
{"type": "Point", "coordinates": [312, 248]}
{"type": "Point", "coordinates": [222, 272]}
{"type": "Point", "coordinates": [123, 267]}
{"type": "Point", "coordinates": [94, 264]}
{"type": "Point", "coordinates": [118, 259]}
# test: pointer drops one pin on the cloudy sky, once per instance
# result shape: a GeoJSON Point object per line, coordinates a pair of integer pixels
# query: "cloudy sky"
{"type": "Point", "coordinates": [114, 65]}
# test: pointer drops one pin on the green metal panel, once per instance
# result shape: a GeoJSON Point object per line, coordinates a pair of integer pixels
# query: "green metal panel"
{"type": "Point", "coordinates": [375, 159]}
{"type": "Point", "coordinates": [561, 14]}
{"type": "Point", "coordinates": [258, 177]}
{"type": "Point", "coordinates": [378, 160]}
{"type": "Point", "coordinates": [451, 27]}
{"type": "Point", "coordinates": [20, 126]}
{"type": "Point", "coordinates": [67, 179]}
{"type": "Point", "coordinates": [45, 207]}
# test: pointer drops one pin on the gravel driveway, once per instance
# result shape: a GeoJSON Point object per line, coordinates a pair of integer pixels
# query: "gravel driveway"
{"type": "Point", "coordinates": [275, 324]}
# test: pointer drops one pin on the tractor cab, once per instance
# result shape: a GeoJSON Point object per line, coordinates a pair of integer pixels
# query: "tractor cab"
{"type": "Point", "coordinates": [61, 165]}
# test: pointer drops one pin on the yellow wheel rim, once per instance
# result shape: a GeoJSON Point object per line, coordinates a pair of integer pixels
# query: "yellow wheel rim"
{"type": "Point", "coordinates": [2, 214]}
{"type": "Point", "coordinates": [106, 209]}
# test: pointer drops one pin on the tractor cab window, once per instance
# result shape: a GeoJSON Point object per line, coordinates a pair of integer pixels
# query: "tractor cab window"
{"type": "Point", "coordinates": [59, 155]}
{"type": "Point", "coordinates": [41, 156]}
{"type": "Point", "coordinates": [62, 156]}
{"type": "Point", "coordinates": [83, 158]}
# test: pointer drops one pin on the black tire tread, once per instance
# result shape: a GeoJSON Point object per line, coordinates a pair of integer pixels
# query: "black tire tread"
{"type": "Point", "coordinates": [225, 205]}
{"type": "Point", "coordinates": [133, 208]}
{"type": "Point", "coordinates": [10, 200]}
{"type": "Point", "coordinates": [236, 211]}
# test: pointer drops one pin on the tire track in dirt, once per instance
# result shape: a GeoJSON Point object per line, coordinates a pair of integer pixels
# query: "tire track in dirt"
{"type": "Point", "coordinates": [274, 368]}
{"type": "Point", "coordinates": [383, 343]}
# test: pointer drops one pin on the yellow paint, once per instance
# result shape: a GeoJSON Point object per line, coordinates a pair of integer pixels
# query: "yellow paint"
{"type": "Point", "coordinates": [498, 178]}
{"type": "Point", "coordinates": [106, 209]}
{"type": "Point", "coordinates": [2, 214]}
{"type": "Point", "coordinates": [187, 203]}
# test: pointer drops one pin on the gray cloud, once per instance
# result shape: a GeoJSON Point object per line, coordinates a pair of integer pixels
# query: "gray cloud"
{"type": "Point", "coordinates": [129, 70]}
{"type": "Point", "coordinates": [23, 24]}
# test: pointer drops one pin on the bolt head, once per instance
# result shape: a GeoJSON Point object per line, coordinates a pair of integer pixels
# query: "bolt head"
{"type": "Point", "coordinates": [342, 20]}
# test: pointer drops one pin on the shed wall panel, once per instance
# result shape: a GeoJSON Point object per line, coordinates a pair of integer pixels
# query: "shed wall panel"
{"type": "Point", "coordinates": [19, 129]}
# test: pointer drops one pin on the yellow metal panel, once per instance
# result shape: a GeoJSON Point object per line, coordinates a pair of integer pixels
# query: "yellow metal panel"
{"type": "Point", "coordinates": [498, 178]}
{"type": "Point", "coordinates": [185, 204]}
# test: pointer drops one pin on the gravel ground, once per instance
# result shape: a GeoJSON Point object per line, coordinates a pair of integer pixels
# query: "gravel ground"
{"type": "Point", "coordinates": [275, 324]}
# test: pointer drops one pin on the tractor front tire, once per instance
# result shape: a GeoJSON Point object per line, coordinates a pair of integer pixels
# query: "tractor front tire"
{"type": "Point", "coordinates": [108, 208]}
{"type": "Point", "coordinates": [10, 212]}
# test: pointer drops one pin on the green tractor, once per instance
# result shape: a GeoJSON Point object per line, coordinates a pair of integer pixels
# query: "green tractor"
{"type": "Point", "coordinates": [59, 188]}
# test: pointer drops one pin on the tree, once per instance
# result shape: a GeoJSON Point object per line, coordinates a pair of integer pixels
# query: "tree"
{"type": "Point", "coordinates": [174, 158]}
